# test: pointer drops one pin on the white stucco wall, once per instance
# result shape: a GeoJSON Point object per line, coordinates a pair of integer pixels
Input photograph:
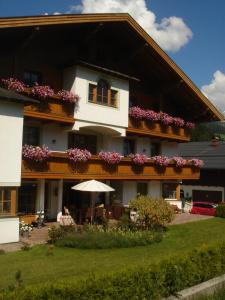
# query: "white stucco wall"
{"type": "Point", "coordinates": [169, 149]}
{"type": "Point", "coordinates": [11, 133]}
{"type": "Point", "coordinates": [9, 230]}
{"type": "Point", "coordinates": [55, 137]}
{"type": "Point", "coordinates": [143, 146]}
{"type": "Point", "coordinates": [189, 188]}
{"type": "Point", "coordinates": [154, 189]}
{"type": "Point", "coordinates": [112, 144]}
{"type": "Point", "coordinates": [77, 79]}
{"type": "Point", "coordinates": [129, 191]}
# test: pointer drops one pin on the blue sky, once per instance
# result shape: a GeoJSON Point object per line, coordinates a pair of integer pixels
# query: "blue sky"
{"type": "Point", "coordinates": [200, 56]}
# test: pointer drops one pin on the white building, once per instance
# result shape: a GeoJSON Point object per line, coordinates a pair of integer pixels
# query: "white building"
{"type": "Point", "coordinates": [112, 64]}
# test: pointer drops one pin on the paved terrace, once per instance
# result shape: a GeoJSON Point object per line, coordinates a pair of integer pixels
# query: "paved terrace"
{"type": "Point", "coordinates": [40, 236]}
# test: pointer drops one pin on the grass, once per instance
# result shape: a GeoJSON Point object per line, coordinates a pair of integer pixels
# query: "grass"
{"type": "Point", "coordinates": [38, 267]}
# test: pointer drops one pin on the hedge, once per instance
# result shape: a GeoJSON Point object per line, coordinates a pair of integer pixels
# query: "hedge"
{"type": "Point", "coordinates": [150, 282]}
{"type": "Point", "coordinates": [220, 211]}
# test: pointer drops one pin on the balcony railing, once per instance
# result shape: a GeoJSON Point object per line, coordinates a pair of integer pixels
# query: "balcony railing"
{"type": "Point", "coordinates": [59, 167]}
{"type": "Point", "coordinates": [156, 129]}
{"type": "Point", "coordinates": [52, 110]}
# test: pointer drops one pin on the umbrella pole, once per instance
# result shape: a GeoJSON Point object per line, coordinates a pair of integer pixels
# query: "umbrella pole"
{"type": "Point", "coordinates": [93, 195]}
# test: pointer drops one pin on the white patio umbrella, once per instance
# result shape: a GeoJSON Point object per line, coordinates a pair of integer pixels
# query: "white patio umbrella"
{"type": "Point", "coordinates": [92, 186]}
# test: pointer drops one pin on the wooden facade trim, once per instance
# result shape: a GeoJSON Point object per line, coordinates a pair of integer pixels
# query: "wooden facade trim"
{"type": "Point", "coordinates": [49, 117]}
{"type": "Point", "coordinates": [155, 129]}
{"type": "Point", "coordinates": [51, 110]}
{"type": "Point", "coordinates": [59, 167]}
{"type": "Point", "coordinates": [118, 17]}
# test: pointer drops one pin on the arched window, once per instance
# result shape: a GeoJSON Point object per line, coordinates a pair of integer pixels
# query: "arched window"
{"type": "Point", "coordinates": [102, 94]}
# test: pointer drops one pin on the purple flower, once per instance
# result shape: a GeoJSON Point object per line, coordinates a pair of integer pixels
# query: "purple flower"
{"type": "Point", "coordinates": [111, 158]}
{"type": "Point", "coordinates": [138, 159]}
{"type": "Point", "coordinates": [178, 122]}
{"type": "Point", "coordinates": [78, 155]}
{"type": "Point", "coordinates": [166, 119]}
{"type": "Point", "coordinates": [179, 161]}
{"type": "Point", "coordinates": [35, 153]}
{"type": "Point", "coordinates": [190, 125]}
{"type": "Point", "coordinates": [152, 115]}
{"type": "Point", "coordinates": [137, 113]}
{"type": "Point", "coordinates": [198, 163]}
{"type": "Point", "coordinates": [42, 91]}
{"type": "Point", "coordinates": [161, 161]}
{"type": "Point", "coordinates": [13, 84]}
{"type": "Point", "coordinates": [68, 96]}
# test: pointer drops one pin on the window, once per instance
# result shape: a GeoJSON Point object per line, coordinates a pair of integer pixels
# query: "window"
{"type": "Point", "coordinates": [27, 198]}
{"type": "Point", "coordinates": [5, 201]}
{"type": "Point", "coordinates": [169, 190]}
{"type": "Point", "coordinates": [155, 149]}
{"type": "Point", "coordinates": [102, 94]}
{"type": "Point", "coordinates": [83, 141]}
{"type": "Point", "coordinates": [30, 77]}
{"type": "Point", "coordinates": [142, 188]}
{"type": "Point", "coordinates": [128, 147]}
{"type": "Point", "coordinates": [31, 135]}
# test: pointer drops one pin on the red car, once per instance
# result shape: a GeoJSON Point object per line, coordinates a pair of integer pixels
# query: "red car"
{"type": "Point", "coordinates": [204, 208]}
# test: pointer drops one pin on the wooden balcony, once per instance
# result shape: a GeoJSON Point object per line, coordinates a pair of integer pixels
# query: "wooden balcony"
{"type": "Point", "coordinates": [59, 167]}
{"type": "Point", "coordinates": [156, 129]}
{"type": "Point", "coordinates": [51, 110]}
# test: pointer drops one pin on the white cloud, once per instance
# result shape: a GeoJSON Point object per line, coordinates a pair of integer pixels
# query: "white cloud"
{"type": "Point", "coordinates": [170, 33]}
{"type": "Point", "coordinates": [215, 91]}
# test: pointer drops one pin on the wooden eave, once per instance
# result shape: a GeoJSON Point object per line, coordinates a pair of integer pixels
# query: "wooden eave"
{"type": "Point", "coordinates": [37, 21]}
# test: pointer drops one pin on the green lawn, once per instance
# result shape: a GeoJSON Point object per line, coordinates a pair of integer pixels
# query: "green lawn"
{"type": "Point", "coordinates": [37, 267]}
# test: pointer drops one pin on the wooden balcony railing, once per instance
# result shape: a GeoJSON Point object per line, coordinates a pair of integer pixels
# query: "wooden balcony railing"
{"type": "Point", "coordinates": [52, 110]}
{"type": "Point", "coordinates": [59, 167]}
{"type": "Point", "coordinates": [156, 129]}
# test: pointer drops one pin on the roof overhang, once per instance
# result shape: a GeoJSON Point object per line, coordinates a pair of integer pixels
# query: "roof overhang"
{"type": "Point", "coordinates": [38, 21]}
{"type": "Point", "coordinates": [11, 96]}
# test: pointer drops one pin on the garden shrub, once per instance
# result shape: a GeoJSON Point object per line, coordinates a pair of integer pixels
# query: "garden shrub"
{"type": "Point", "coordinates": [152, 213]}
{"type": "Point", "coordinates": [58, 232]}
{"type": "Point", "coordinates": [156, 281]}
{"type": "Point", "coordinates": [220, 211]}
{"type": "Point", "coordinates": [110, 239]}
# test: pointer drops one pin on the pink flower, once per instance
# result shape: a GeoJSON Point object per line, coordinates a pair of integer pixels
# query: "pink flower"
{"type": "Point", "coordinates": [111, 158]}
{"type": "Point", "coordinates": [35, 153]}
{"type": "Point", "coordinates": [138, 159]}
{"type": "Point", "coordinates": [42, 91]}
{"type": "Point", "coordinates": [166, 119]}
{"type": "Point", "coordinates": [152, 115]}
{"type": "Point", "coordinates": [198, 163]}
{"type": "Point", "coordinates": [161, 161]}
{"type": "Point", "coordinates": [178, 122]}
{"type": "Point", "coordinates": [190, 125]}
{"type": "Point", "coordinates": [13, 84]}
{"type": "Point", "coordinates": [78, 155]}
{"type": "Point", "coordinates": [137, 113]}
{"type": "Point", "coordinates": [179, 161]}
{"type": "Point", "coordinates": [68, 96]}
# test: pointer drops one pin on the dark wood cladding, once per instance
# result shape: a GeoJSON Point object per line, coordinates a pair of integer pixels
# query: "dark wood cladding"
{"type": "Point", "coordinates": [59, 167]}
{"type": "Point", "coordinates": [155, 129]}
{"type": "Point", "coordinates": [51, 109]}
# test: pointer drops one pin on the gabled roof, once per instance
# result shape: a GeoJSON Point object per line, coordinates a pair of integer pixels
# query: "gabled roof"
{"type": "Point", "coordinates": [213, 154]}
{"type": "Point", "coordinates": [8, 95]}
{"type": "Point", "coordinates": [33, 21]}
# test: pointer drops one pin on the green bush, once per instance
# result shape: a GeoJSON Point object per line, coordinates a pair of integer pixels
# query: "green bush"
{"type": "Point", "coordinates": [149, 282]}
{"type": "Point", "coordinates": [220, 211]}
{"type": "Point", "coordinates": [55, 233]}
{"type": "Point", "coordinates": [104, 240]}
{"type": "Point", "coordinates": [152, 213]}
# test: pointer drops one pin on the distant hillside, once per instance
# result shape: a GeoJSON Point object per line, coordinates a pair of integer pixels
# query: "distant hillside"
{"type": "Point", "coordinates": [206, 131]}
